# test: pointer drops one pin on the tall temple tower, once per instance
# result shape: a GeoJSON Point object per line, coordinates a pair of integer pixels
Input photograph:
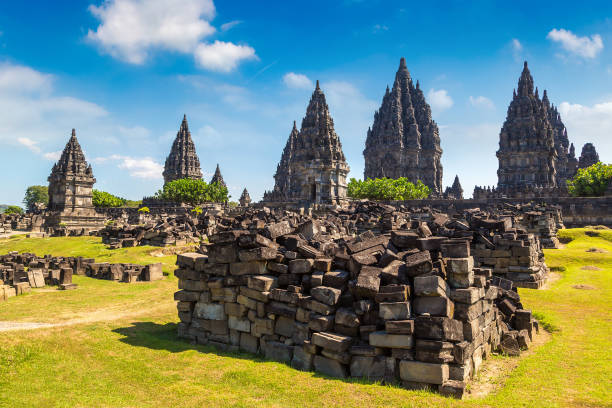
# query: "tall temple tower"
{"type": "Point", "coordinates": [70, 191]}
{"type": "Point", "coordinates": [404, 140]}
{"type": "Point", "coordinates": [312, 167]}
{"type": "Point", "coordinates": [527, 153]}
{"type": "Point", "coordinates": [217, 177]}
{"type": "Point", "coordinates": [588, 156]}
{"type": "Point", "coordinates": [182, 162]}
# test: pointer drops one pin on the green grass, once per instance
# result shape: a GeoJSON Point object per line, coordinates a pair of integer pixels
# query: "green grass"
{"type": "Point", "coordinates": [136, 361]}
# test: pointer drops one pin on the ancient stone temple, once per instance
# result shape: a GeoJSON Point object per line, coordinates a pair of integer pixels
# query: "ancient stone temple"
{"type": "Point", "coordinates": [245, 198]}
{"type": "Point", "coordinates": [404, 139]}
{"type": "Point", "coordinates": [282, 176]}
{"type": "Point", "coordinates": [313, 167]}
{"type": "Point", "coordinates": [70, 191]}
{"type": "Point", "coordinates": [455, 191]}
{"type": "Point", "coordinates": [566, 163]}
{"type": "Point", "coordinates": [588, 156]}
{"type": "Point", "coordinates": [527, 153]}
{"type": "Point", "coordinates": [182, 162]}
{"type": "Point", "coordinates": [218, 178]}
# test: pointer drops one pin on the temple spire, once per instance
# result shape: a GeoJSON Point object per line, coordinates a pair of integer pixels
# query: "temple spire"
{"type": "Point", "coordinates": [525, 84]}
{"type": "Point", "coordinates": [217, 177]}
{"type": "Point", "coordinates": [183, 161]}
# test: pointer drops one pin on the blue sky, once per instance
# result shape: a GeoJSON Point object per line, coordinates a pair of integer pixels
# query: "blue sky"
{"type": "Point", "coordinates": [123, 72]}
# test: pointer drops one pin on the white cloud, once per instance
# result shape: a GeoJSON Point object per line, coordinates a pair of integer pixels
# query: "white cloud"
{"type": "Point", "coordinates": [29, 143]}
{"type": "Point", "coordinates": [297, 81]}
{"type": "Point", "coordinates": [379, 27]}
{"type": "Point", "coordinates": [482, 102]}
{"type": "Point", "coordinates": [130, 29]}
{"type": "Point", "coordinates": [23, 80]}
{"type": "Point", "coordinates": [439, 100]}
{"type": "Point", "coordinates": [230, 25]}
{"type": "Point", "coordinates": [222, 56]}
{"type": "Point", "coordinates": [31, 111]}
{"type": "Point", "coordinates": [517, 49]}
{"type": "Point", "coordinates": [589, 124]}
{"type": "Point", "coordinates": [53, 156]}
{"type": "Point", "coordinates": [139, 167]}
{"type": "Point", "coordinates": [584, 47]}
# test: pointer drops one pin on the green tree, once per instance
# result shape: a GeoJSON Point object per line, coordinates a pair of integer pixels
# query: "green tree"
{"type": "Point", "coordinates": [387, 189]}
{"type": "Point", "coordinates": [106, 200]}
{"type": "Point", "coordinates": [193, 192]}
{"type": "Point", "coordinates": [34, 195]}
{"type": "Point", "coordinates": [591, 181]}
{"type": "Point", "coordinates": [13, 209]}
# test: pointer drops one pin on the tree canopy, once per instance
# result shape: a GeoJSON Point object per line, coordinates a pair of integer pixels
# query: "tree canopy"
{"type": "Point", "coordinates": [13, 209]}
{"type": "Point", "coordinates": [387, 189]}
{"type": "Point", "coordinates": [107, 200]}
{"type": "Point", "coordinates": [35, 195]}
{"type": "Point", "coordinates": [193, 192]}
{"type": "Point", "coordinates": [591, 181]}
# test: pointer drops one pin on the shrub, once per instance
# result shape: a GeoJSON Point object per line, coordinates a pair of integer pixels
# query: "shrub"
{"type": "Point", "coordinates": [144, 210]}
{"type": "Point", "coordinates": [35, 195]}
{"type": "Point", "coordinates": [13, 209]}
{"type": "Point", "coordinates": [591, 181]}
{"type": "Point", "coordinates": [387, 189]}
{"type": "Point", "coordinates": [107, 200]}
{"type": "Point", "coordinates": [197, 210]}
{"type": "Point", "coordinates": [193, 192]}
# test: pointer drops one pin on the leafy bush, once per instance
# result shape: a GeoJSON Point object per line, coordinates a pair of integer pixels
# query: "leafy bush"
{"type": "Point", "coordinates": [35, 195]}
{"type": "Point", "coordinates": [13, 209]}
{"type": "Point", "coordinates": [193, 192]}
{"type": "Point", "coordinates": [107, 200]}
{"type": "Point", "coordinates": [592, 181]}
{"type": "Point", "coordinates": [387, 189]}
{"type": "Point", "coordinates": [144, 210]}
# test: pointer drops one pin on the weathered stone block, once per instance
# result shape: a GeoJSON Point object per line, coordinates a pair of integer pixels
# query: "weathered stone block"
{"type": "Point", "coordinates": [384, 339]}
{"type": "Point", "coordinates": [420, 372]}
{"type": "Point", "coordinates": [394, 311]}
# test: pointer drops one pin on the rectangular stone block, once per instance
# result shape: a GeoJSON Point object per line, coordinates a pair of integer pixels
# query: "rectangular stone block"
{"type": "Point", "coordinates": [435, 306]}
{"type": "Point", "coordinates": [327, 295]}
{"type": "Point", "coordinates": [331, 341]}
{"type": "Point", "coordinates": [394, 311]}
{"type": "Point", "coordinates": [301, 359]}
{"type": "Point", "coordinates": [239, 324]}
{"type": "Point", "coordinates": [332, 368]}
{"type": "Point", "coordinates": [209, 311]}
{"type": "Point", "coordinates": [261, 283]}
{"type": "Point", "coordinates": [420, 372]}
{"type": "Point", "coordinates": [399, 326]}
{"type": "Point", "coordinates": [430, 286]}
{"type": "Point", "coordinates": [384, 339]}
{"type": "Point", "coordinates": [248, 268]}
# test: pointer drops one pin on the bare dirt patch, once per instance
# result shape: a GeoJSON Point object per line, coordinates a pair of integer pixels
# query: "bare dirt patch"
{"type": "Point", "coordinates": [102, 315]}
{"type": "Point", "coordinates": [597, 250]}
{"type": "Point", "coordinates": [590, 268]}
{"type": "Point", "coordinates": [584, 287]}
{"type": "Point", "coordinates": [552, 278]}
{"type": "Point", "coordinates": [495, 371]}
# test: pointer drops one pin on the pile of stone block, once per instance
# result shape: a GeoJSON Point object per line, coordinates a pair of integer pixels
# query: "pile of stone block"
{"type": "Point", "coordinates": [406, 307]}
{"type": "Point", "coordinates": [544, 225]}
{"type": "Point", "coordinates": [21, 272]}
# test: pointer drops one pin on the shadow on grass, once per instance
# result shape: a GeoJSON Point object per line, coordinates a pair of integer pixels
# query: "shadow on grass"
{"type": "Point", "coordinates": [164, 337]}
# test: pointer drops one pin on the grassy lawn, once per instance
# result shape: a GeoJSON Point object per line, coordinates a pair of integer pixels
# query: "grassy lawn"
{"type": "Point", "coordinates": [133, 359]}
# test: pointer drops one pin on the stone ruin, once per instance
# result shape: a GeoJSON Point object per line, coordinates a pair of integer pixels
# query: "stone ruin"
{"type": "Point", "coordinates": [404, 140]}
{"type": "Point", "coordinates": [70, 193]}
{"type": "Point", "coordinates": [454, 192]}
{"type": "Point", "coordinates": [183, 161]}
{"type": "Point", "coordinates": [245, 198]}
{"type": "Point", "coordinates": [588, 156]}
{"type": "Point", "coordinates": [312, 168]}
{"type": "Point", "coordinates": [404, 305]}
{"type": "Point", "coordinates": [21, 272]}
{"type": "Point", "coordinates": [535, 156]}
{"type": "Point", "coordinates": [218, 178]}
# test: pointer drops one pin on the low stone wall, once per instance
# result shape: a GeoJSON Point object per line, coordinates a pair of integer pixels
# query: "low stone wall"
{"type": "Point", "coordinates": [399, 308]}
{"type": "Point", "coordinates": [576, 211]}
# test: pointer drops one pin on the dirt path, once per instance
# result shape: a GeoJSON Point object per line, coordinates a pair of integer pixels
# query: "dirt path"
{"type": "Point", "coordinates": [102, 315]}
{"type": "Point", "coordinates": [495, 371]}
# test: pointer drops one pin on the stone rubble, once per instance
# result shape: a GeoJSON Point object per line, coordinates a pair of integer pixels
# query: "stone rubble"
{"type": "Point", "coordinates": [405, 305]}
{"type": "Point", "coordinates": [21, 272]}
